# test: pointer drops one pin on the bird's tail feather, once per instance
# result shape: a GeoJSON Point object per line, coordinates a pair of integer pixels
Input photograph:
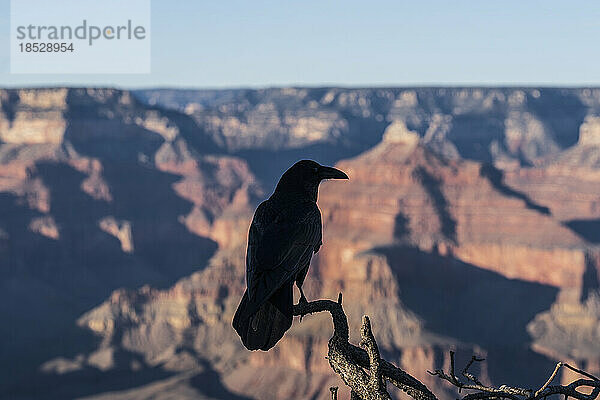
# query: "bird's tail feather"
{"type": "Point", "coordinates": [262, 326]}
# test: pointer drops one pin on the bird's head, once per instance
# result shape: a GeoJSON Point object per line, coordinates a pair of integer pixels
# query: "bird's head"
{"type": "Point", "coordinates": [303, 178]}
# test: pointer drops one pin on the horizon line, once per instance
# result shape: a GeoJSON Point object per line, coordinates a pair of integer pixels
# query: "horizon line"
{"type": "Point", "coordinates": [310, 86]}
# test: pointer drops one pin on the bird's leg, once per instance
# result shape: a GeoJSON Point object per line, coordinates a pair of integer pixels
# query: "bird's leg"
{"type": "Point", "coordinates": [302, 301]}
{"type": "Point", "coordinates": [302, 296]}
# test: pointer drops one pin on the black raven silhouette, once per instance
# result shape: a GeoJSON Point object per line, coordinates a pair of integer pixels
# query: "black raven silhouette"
{"type": "Point", "coordinates": [284, 234]}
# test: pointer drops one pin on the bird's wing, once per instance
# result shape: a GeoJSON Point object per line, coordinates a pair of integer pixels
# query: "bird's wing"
{"type": "Point", "coordinates": [280, 244]}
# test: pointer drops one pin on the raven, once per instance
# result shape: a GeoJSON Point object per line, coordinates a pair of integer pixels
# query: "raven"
{"type": "Point", "coordinates": [284, 234]}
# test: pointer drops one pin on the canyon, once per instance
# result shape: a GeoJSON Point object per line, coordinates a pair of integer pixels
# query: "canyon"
{"type": "Point", "coordinates": [471, 221]}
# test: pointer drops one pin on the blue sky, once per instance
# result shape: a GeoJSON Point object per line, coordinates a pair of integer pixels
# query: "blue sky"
{"type": "Point", "coordinates": [207, 44]}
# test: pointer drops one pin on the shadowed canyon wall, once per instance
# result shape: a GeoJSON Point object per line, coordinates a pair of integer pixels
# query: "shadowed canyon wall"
{"type": "Point", "coordinates": [470, 221]}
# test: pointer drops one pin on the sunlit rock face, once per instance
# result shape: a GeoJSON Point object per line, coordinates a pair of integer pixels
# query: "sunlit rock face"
{"type": "Point", "coordinates": [509, 126]}
{"type": "Point", "coordinates": [470, 222]}
{"type": "Point", "coordinates": [33, 116]}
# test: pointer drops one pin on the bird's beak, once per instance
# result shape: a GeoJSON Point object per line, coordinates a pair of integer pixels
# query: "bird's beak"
{"type": "Point", "coordinates": [331, 173]}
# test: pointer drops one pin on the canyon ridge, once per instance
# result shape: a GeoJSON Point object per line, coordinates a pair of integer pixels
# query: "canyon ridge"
{"type": "Point", "coordinates": [471, 222]}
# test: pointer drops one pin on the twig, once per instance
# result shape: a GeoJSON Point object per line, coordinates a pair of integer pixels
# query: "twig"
{"type": "Point", "coordinates": [555, 372]}
{"type": "Point", "coordinates": [333, 390]}
{"type": "Point", "coordinates": [505, 391]}
{"type": "Point", "coordinates": [513, 393]}
{"type": "Point", "coordinates": [552, 376]}
{"type": "Point", "coordinates": [470, 376]}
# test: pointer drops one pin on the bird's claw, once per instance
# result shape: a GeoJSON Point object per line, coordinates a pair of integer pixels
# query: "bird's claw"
{"type": "Point", "coordinates": [302, 315]}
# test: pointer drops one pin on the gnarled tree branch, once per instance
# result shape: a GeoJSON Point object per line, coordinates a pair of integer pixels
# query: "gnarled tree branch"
{"type": "Point", "coordinates": [351, 363]}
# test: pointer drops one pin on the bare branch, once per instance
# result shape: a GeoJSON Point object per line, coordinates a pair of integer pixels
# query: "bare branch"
{"type": "Point", "coordinates": [512, 393]}
{"type": "Point", "coordinates": [571, 389]}
{"type": "Point", "coordinates": [552, 376]}
{"type": "Point", "coordinates": [377, 383]}
{"type": "Point", "coordinates": [351, 363]}
{"type": "Point", "coordinates": [470, 376]}
{"type": "Point", "coordinates": [586, 374]}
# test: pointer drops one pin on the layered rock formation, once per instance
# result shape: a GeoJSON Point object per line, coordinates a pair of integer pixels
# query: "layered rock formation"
{"type": "Point", "coordinates": [504, 125]}
{"type": "Point", "coordinates": [99, 192]}
{"type": "Point", "coordinates": [470, 222]}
